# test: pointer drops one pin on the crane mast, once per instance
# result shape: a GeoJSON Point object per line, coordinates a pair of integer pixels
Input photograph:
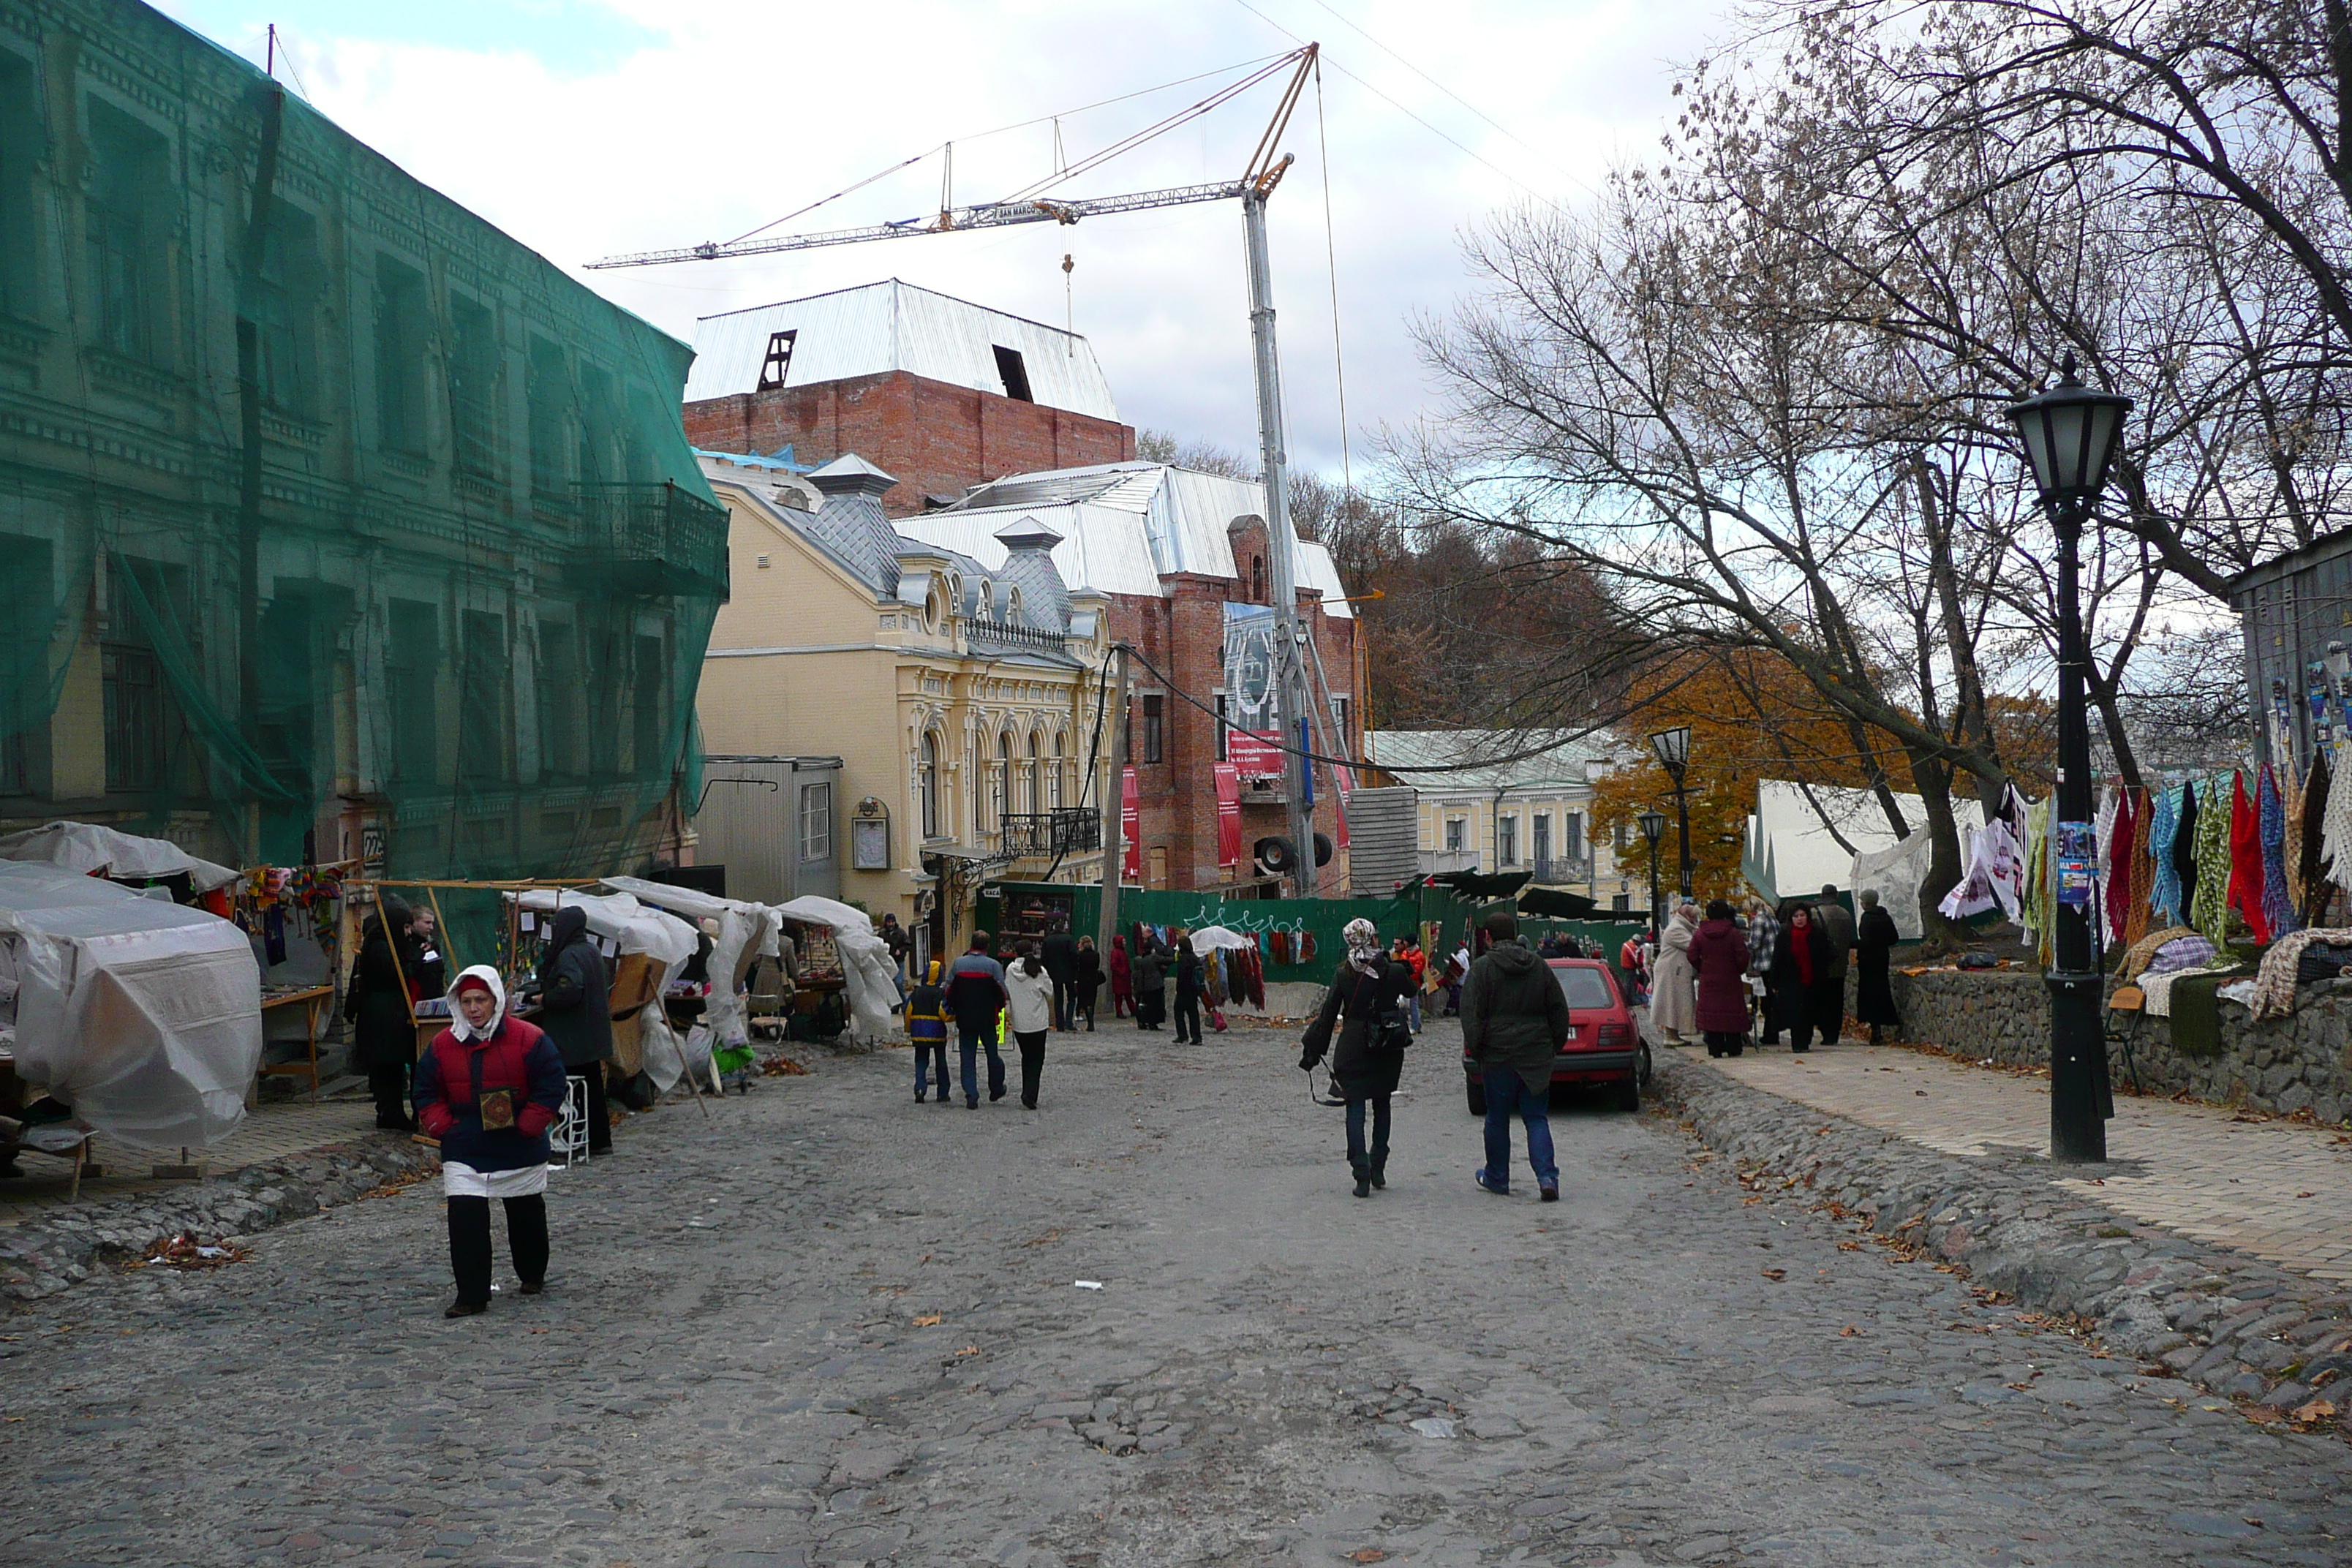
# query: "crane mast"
{"type": "Point", "coordinates": [1265, 171]}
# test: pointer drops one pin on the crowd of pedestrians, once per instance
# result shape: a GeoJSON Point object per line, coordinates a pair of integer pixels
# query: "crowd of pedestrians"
{"type": "Point", "coordinates": [1780, 971]}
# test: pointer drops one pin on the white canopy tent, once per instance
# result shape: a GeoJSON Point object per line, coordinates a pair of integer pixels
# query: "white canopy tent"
{"type": "Point", "coordinates": [868, 976]}
{"type": "Point", "coordinates": [628, 926]}
{"type": "Point", "coordinates": [744, 928]}
{"type": "Point", "coordinates": [90, 849]}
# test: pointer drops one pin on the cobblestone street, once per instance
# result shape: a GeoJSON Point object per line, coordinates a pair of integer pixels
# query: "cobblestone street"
{"type": "Point", "coordinates": [832, 1326]}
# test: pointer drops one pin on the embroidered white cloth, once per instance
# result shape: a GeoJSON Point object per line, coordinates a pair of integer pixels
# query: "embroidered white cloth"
{"type": "Point", "coordinates": [460, 1180]}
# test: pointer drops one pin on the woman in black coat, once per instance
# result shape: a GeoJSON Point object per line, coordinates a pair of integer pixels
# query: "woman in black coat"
{"type": "Point", "coordinates": [1367, 1008]}
{"type": "Point", "coordinates": [1190, 976]}
{"type": "Point", "coordinates": [576, 1014]}
{"type": "Point", "coordinates": [1805, 997]}
{"type": "Point", "coordinates": [1085, 979]}
{"type": "Point", "coordinates": [383, 1036]}
{"type": "Point", "coordinates": [1873, 989]}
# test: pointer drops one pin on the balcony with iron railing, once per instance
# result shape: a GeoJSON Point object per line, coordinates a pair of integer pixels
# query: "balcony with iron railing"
{"type": "Point", "coordinates": [642, 539]}
{"type": "Point", "coordinates": [1006, 634]}
{"type": "Point", "coordinates": [1559, 870]}
{"type": "Point", "coordinates": [1064, 830]}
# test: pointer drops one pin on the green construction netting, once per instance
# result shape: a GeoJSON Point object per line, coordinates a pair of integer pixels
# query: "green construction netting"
{"type": "Point", "coordinates": [333, 522]}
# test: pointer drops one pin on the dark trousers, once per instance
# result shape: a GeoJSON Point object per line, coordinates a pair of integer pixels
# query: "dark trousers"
{"type": "Point", "coordinates": [1188, 1016]}
{"type": "Point", "coordinates": [1082, 1006]}
{"type": "Point", "coordinates": [932, 1053]}
{"type": "Point", "coordinates": [1767, 1031]}
{"type": "Point", "coordinates": [388, 1082]}
{"type": "Point", "coordinates": [973, 1041]}
{"type": "Point", "coordinates": [600, 1115]}
{"type": "Point", "coordinates": [1151, 1009]}
{"type": "Point", "coordinates": [469, 1242]}
{"type": "Point", "coordinates": [1032, 1063]}
{"type": "Point", "coordinates": [1368, 1162]}
{"type": "Point", "coordinates": [1063, 992]}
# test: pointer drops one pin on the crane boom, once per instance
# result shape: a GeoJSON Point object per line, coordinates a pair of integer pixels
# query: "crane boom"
{"type": "Point", "coordinates": [982, 215]}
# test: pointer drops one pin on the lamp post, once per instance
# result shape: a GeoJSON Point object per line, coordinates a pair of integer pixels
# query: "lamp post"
{"type": "Point", "coordinates": [1671, 748]}
{"type": "Point", "coordinates": [1654, 823]}
{"type": "Point", "coordinates": [2070, 436]}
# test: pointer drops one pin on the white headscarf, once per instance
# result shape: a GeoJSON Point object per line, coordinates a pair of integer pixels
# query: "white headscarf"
{"type": "Point", "coordinates": [1365, 949]}
{"type": "Point", "coordinates": [457, 1023]}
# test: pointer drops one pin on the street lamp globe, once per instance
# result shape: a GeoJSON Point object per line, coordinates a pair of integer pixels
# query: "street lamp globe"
{"type": "Point", "coordinates": [1671, 748]}
{"type": "Point", "coordinates": [2070, 436]}
{"type": "Point", "coordinates": [1654, 823]}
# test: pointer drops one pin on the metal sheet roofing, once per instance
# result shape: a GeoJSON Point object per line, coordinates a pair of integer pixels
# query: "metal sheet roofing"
{"type": "Point", "coordinates": [1561, 756]}
{"type": "Point", "coordinates": [890, 325]}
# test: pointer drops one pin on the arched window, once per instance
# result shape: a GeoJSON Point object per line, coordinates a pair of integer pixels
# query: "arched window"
{"type": "Point", "coordinates": [1056, 776]}
{"type": "Point", "coordinates": [927, 785]}
{"type": "Point", "coordinates": [1257, 580]}
{"type": "Point", "coordinates": [1032, 783]}
{"type": "Point", "coordinates": [1003, 776]}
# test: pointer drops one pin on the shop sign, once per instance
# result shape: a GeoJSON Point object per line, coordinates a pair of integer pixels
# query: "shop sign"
{"type": "Point", "coordinates": [1255, 755]}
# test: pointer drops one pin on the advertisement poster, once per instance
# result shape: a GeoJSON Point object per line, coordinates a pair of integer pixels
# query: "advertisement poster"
{"type": "Point", "coordinates": [1130, 826]}
{"type": "Point", "coordinates": [2077, 862]}
{"type": "Point", "coordinates": [1229, 814]}
{"type": "Point", "coordinates": [1255, 755]}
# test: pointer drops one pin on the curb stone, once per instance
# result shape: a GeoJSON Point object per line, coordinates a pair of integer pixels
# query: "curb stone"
{"type": "Point", "coordinates": [45, 1255]}
{"type": "Point", "coordinates": [2235, 1325]}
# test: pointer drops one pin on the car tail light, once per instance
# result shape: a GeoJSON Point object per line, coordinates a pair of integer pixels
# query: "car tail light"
{"type": "Point", "coordinates": [1613, 1035]}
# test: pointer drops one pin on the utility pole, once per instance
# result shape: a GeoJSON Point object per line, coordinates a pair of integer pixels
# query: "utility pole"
{"type": "Point", "coordinates": [1282, 539]}
{"type": "Point", "coordinates": [1114, 808]}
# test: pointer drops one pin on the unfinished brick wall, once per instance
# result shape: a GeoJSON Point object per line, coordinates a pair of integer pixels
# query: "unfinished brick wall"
{"type": "Point", "coordinates": [936, 439]}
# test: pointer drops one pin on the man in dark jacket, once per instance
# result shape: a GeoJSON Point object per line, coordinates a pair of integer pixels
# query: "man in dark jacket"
{"type": "Point", "coordinates": [383, 1036]}
{"type": "Point", "coordinates": [1060, 953]}
{"type": "Point", "coordinates": [1513, 1022]}
{"type": "Point", "coordinates": [576, 1014]}
{"type": "Point", "coordinates": [1150, 971]}
{"type": "Point", "coordinates": [1837, 923]}
{"type": "Point", "coordinates": [975, 996]}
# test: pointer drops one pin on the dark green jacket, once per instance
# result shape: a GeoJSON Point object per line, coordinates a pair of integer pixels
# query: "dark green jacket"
{"type": "Point", "coordinates": [1514, 1012]}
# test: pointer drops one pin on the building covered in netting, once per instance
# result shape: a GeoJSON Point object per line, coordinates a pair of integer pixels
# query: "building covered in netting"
{"type": "Point", "coordinates": [333, 522]}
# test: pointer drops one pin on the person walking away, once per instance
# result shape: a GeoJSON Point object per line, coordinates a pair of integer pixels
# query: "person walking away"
{"type": "Point", "coordinates": [1804, 999]}
{"type": "Point", "coordinates": [383, 1039]}
{"type": "Point", "coordinates": [895, 941]}
{"type": "Point", "coordinates": [1513, 1022]}
{"type": "Point", "coordinates": [487, 1090]}
{"type": "Point", "coordinates": [927, 1025]}
{"type": "Point", "coordinates": [1674, 1000]}
{"type": "Point", "coordinates": [1365, 1007]}
{"type": "Point", "coordinates": [1873, 988]}
{"type": "Point", "coordinates": [576, 1012]}
{"type": "Point", "coordinates": [1060, 955]}
{"type": "Point", "coordinates": [1837, 924]}
{"type": "Point", "coordinates": [976, 995]}
{"type": "Point", "coordinates": [1122, 980]}
{"type": "Point", "coordinates": [1192, 978]}
{"type": "Point", "coordinates": [1150, 971]}
{"type": "Point", "coordinates": [1718, 952]}
{"type": "Point", "coordinates": [1085, 980]}
{"type": "Point", "coordinates": [1763, 946]}
{"type": "Point", "coordinates": [1031, 992]}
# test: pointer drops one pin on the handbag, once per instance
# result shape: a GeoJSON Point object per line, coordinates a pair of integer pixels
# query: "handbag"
{"type": "Point", "coordinates": [1216, 1021]}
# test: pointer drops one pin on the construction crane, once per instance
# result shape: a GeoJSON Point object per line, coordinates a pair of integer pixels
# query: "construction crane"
{"type": "Point", "coordinates": [1263, 173]}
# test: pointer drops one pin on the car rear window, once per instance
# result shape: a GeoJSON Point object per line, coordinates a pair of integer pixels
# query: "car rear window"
{"type": "Point", "coordinates": [1586, 988]}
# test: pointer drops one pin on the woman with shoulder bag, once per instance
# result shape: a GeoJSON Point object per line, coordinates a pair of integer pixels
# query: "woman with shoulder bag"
{"type": "Point", "coordinates": [1366, 1007]}
{"type": "Point", "coordinates": [577, 1015]}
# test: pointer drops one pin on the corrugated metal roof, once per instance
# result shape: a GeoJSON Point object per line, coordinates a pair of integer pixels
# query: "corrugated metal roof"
{"type": "Point", "coordinates": [891, 325]}
{"type": "Point", "coordinates": [1565, 757]}
{"type": "Point", "coordinates": [1102, 548]}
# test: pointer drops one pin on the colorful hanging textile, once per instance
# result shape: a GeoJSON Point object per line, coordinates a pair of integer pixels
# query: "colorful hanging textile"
{"type": "Point", "coordinates": [2335, 833]}
{"type": "Point", "coordinates": [2033, 906]}
{"type": "Point", "coordinates": [2117, 861]}
{"type": "Point", "coordinates": [2164, 880]}
{"type": "Point", "coordinates": [2140, 918]}
{"type": "Point", "coordinates": [2245, 896]}
{"type": "Point", "coordinates": [2311, 863]}
{"type": "Point", "coordinates": [2278, 910]}
{"type": "Point", "coordinates": [2290, 789]}
{"type": "Point", "coordinates": [2109, 813]}
{"type": "Point", "coordinates": [2184, 850]}
{"type": "Point", "coordinates": [2209, 904]}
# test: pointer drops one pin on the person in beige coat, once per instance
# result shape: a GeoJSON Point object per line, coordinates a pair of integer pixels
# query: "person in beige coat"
{"type": "Point", "coordinates": [1674, 996]}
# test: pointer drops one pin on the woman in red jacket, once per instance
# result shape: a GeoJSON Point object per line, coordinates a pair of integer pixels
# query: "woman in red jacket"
{"type": "Point", "coordinates": [489, 1089]}
{"type": "Point", "coordinates": [1719, 952]}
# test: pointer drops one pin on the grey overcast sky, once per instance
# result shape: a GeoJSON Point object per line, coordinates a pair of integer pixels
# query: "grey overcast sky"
{"type": "Point", "coordinates": [586, 128]}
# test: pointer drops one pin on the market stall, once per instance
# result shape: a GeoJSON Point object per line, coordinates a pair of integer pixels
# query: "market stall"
{"type": "Point", "coordinates": [741, 934]}
{"type": "Point", "coordinates": [645, 946]}
{"type": "Point", "coordinates": [839, 954]}
{"type": "Point", "coordinates": [141, 1016]}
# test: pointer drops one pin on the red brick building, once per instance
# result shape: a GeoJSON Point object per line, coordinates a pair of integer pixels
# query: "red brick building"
{"type": "Point", "coordinates": [943, 394]}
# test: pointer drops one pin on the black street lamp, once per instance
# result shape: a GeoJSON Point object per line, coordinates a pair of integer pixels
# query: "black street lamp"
{"type": "Point", "coordinates": [2070, 434]}
{"type": "Point", "coordinates": [1654, 823]}
{"type": "Point", "coordinates": [1671, 748]}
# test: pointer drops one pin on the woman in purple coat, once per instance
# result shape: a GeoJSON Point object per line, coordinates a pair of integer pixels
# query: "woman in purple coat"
{"type": "Point", "coordinates": [1720, 953]}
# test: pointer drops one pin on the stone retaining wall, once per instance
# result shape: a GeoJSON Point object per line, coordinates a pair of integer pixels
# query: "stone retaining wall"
{"type": "Point", "coordinates": [2302, 1062]}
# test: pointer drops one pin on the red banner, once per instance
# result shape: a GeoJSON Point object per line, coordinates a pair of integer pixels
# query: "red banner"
{"type": "Point", "coordinates": [1255, 755]}
{"type": "Point", "coordinates": [1130, 826]}
{"type": "Point", "coordinates": [1229, 814]}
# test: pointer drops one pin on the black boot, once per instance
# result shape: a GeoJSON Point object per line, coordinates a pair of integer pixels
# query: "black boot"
{"type": "Point", "coordinates": [1363, 1186]}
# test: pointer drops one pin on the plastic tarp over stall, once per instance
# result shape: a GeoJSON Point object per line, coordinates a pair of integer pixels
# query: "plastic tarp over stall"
{"type": "Point", "coordinates": [90, 849]}
{"type": "Point", "coordinates": [1895, 873]}
{"type": "Point", "coordinates": [867, 974]}
{"type": "Point", "coordinates": [632, 927]}
{"type": "Point", "coordinates": [743, 928]}
{"type": "Point", "coordinates": [142, 1015]}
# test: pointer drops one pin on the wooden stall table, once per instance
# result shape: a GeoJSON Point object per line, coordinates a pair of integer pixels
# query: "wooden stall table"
{"type": "Point", "coordinates": [312, 1000]}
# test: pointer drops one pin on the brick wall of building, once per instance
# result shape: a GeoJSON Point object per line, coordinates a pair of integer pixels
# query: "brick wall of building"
{"type": "Point", "coordinates": [939, 439]}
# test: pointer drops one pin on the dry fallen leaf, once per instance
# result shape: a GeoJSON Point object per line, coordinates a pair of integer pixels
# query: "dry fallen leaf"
{"type": "Point", "coordinates": [1369, 1554]}
{"type": "Point", "coordinates": [2305, 1195]}
{"type": "Point", "coordinates": [969, 1350]}
{"type": "Point", "coordinates": [1776, 1274]}
{"type": "Point", "coordinates": [1849, 1247]}
{"type": "Point", "coordinates": [927, 1323]}
{"type": "Point", "coordinates": [2317, 1410]}
{"type": "Point", "coordinates": [1848, 1332]}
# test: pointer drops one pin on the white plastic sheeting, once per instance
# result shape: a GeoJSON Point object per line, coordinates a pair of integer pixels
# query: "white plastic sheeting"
{"type": "Point", "coordinates": [142, 1015]}
{"type": "Point", "coordinates": [1896, 873]}
{"type": "Point", "coordinates": [88, 848]}
{"type": "Point", "coordinates": [632, 927]}
{"type": "Point", "coordinates": [1216, 939]}
{"type": "Point", "coordinates": [868, 976]}
{"type": "Point", "coordinates": [741, 927]}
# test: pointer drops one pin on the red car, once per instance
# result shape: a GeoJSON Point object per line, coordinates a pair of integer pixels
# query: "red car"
{"type": "Point", "coordinates": [1604, 1046]}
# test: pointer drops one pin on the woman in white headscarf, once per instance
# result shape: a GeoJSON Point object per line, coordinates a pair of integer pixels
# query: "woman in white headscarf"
{"type": "Point", "coordinates": [487, 1090]}
{"type": "Point", "coordinates": [1674, 998]}
{"type": "Point", "coordinates": [1367, 1007]}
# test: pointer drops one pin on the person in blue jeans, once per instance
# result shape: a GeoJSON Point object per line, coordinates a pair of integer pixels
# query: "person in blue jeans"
{"type": "Point", "coordinates": [976, 999]}
{"type": "Point", "coordinates": [927, 1026]}
{"type": "Point", "coordinates": [1361, 1027]}
{"type": "Point", "coordinates": [1513, 1022]}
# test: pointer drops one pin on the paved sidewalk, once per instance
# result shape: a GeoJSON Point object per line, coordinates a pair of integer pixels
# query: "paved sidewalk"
{"type": "Point", "coordinates": [272, 1133]}
{"type": "Point", "coordinates": [2280, 1191]}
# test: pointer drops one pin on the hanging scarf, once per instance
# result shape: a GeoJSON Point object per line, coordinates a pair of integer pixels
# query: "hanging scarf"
{"type": "Point", "coordinates": [2164, 879]}
{"type": "Point", "coordinates": [2278, 909]}
{"type": "Point", "coordinates": [2184, 850]}
{"type": "Point", "coordinates": [2245, 894]}
{"type": "Point", "coordinates": [2116, 860]}
{"type": "Point", "coordinates": [2335, 833]}
{"type": "Point", "coordinates": [2143, 869]}
{"type": "Point", "coordinates": [2209, 904]}
{"type": "Point", "coordinates": [2105, 821]}
{"type": "Point", "coordinates": [2311, 866]}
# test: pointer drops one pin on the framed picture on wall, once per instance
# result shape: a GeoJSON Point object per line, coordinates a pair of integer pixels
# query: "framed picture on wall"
{"type": "Point", "coordinates": [869, 837]}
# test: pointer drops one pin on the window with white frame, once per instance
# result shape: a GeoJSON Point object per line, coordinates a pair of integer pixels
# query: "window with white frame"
{"type": "Point", "coordinates": [816, 823]}
{"type": "Point", "coordinates": [1506, 840]}
{"type": "Point", "coordinates": [1457, 829]}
